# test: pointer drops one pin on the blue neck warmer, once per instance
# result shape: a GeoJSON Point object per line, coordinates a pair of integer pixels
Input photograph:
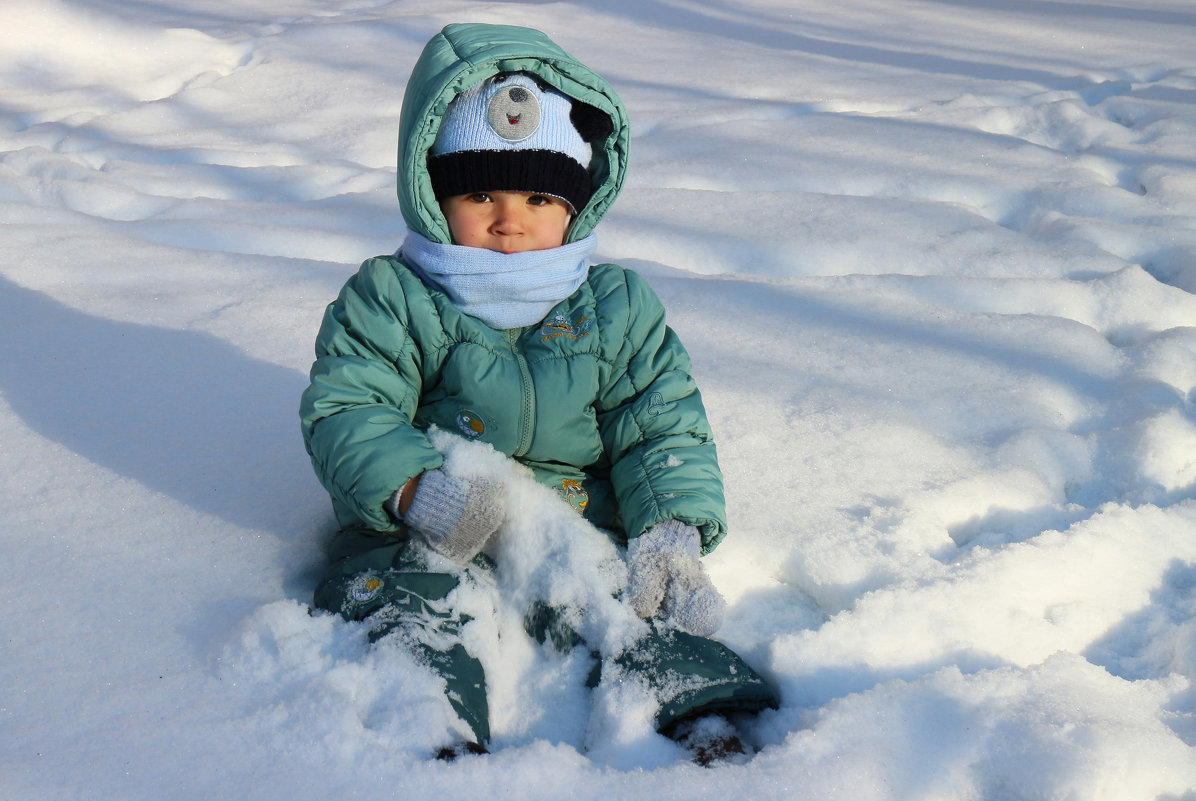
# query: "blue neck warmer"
{"type": "Point", "coordinates": [503, 290]}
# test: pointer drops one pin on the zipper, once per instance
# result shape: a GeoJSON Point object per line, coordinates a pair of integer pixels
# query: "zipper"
{"type": "Point", "coordinates": [527, 406]}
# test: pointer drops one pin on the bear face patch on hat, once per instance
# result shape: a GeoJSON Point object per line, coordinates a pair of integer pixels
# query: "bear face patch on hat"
{"type": "Point", "coordinates": [512, 133]}
{"type": "Point", "coordinates": [514, 113]}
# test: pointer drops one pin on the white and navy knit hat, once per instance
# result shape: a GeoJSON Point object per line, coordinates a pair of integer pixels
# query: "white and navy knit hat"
{"type": "Point", "coordinates": [514, 133]}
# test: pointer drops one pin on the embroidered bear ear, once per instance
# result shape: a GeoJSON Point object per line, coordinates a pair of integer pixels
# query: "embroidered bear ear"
{"type": "Point", "coordinates": [592, 123]}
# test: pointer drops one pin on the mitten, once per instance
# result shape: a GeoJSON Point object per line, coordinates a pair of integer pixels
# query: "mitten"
{"type": "Point", "coordinates": [455, 515]}
{"type": "Point", "coordinates": [666, 579]}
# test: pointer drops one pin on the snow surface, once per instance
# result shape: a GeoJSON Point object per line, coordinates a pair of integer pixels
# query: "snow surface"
{"type": "Point", "coordinates": [935, 261]}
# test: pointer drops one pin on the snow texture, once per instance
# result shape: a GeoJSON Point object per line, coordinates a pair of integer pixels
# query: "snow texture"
{"type": "Point", "coordinates": [935, 263]}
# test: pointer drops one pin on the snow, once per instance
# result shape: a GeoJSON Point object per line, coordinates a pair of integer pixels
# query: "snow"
{"type": "Point", "coordinates": [934, 261]}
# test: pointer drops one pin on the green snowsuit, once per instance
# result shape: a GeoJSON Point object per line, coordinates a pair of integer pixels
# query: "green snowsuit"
{"type": "Point", "coordinates": [596, 399]}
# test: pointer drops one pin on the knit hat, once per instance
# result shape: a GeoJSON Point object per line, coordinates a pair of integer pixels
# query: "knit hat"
{"type": "Point", "coordinates": [513, 133]}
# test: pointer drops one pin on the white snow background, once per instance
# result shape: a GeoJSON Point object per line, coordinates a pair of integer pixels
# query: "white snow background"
{"type": "Point", "coordinates": [934, 261]}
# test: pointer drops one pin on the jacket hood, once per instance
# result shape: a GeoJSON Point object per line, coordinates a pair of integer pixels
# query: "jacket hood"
{"type": "Point", "coordinates": [463, 55]}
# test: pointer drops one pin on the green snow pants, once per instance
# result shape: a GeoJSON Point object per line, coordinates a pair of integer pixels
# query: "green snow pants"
{"type": "Point", "coordinates": [385, 578]}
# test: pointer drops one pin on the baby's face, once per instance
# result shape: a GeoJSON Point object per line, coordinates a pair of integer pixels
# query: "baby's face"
{"type": "Point", "coordinates": [509, 222]}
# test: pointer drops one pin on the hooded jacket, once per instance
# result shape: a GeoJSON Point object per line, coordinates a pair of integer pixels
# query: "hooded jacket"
{"type": "Point", "coordinates": [597, 399]}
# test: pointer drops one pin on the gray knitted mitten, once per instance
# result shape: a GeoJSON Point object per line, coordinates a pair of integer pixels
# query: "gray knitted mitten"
{"type": "Point", "coordinates": [455, 515]}
{"type": "Point", "coordinates": [667, 579]}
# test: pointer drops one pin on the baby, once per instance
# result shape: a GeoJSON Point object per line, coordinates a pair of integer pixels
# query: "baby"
{"type": "Point", "coordinates": [491, 322]}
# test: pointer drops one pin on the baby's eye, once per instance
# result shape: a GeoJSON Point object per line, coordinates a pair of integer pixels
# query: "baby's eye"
{"type": "Point", "coordinates": [480, 197]}
{"type": "Point", "coordinates": [538, 200]}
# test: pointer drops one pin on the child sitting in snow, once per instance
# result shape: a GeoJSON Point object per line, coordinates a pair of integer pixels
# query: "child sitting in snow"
{"type": "Point", "coordinates": [491, 322]}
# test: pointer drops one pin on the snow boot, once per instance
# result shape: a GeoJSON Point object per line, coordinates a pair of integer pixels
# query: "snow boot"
{"type": "Point", "coordinates": [450, 752]}
{"type": "Point", "coordinates": [710, 739]}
